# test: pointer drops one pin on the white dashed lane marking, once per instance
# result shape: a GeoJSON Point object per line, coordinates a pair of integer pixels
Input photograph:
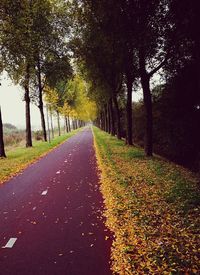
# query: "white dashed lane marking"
{"type": "Point", "coordinates": [10, 243]}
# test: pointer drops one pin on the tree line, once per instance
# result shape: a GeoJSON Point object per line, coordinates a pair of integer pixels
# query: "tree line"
{"type": "Point", "coordinates": [150, 45]}
{"type": "Point", "coordinates": [35, 54]}
{"type": "Point", "coordinates": [114, 48]}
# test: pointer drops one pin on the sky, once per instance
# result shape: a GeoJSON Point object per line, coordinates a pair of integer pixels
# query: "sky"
{"type": "Point", "coordinates": [13, 106]}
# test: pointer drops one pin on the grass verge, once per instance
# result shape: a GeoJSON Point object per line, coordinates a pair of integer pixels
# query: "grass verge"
{"type": "Point", "coordinates": [152, 206]}
{"type": "Point", "coordinates": [19, 158]}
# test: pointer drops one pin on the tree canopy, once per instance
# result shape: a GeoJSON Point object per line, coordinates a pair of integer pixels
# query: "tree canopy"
{"type": "Point", "coordinates": [88, 57]}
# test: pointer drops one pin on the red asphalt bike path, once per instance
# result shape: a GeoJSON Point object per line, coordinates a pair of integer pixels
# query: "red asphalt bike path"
{"type": "Point", "coordinates": [54, 209]}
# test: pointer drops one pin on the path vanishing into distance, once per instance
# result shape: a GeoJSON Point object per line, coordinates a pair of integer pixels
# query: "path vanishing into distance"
{"type": "Point", "coordinates": [50, 215]}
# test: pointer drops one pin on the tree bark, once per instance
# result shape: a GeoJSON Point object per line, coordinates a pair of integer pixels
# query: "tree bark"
{"type": "Point", "coordinates": [48, 129]}
{"type": "Point", "coordinates": [27, 103]}
{"type": "Point", "coordinates": [102, 121]}
{"type": "Point", "coordinates": [69, 123]}
{"type": "Point", "coordinates": [58, 120]}
{"type": "Point", "coordinates": [74, 124]}
{"type": "Point", "coordinates": [52, 129]}
{"type": "Point", "coordinates": [129, 131]}
{"type": "Point", "coordinates": [108, 118]}
{"type": "Point", "coordinates": [112, 121]}
{"type": "Point", "coordinates": [145, 81]}
{"type": "Point", "coordinates": [117, 117]}
{"type": "Point", "coordinates": [66, 124]}
{"type": "Point", "coordinates": [41, 102]}
{"type": "Point", "coordinates": [2, 149]}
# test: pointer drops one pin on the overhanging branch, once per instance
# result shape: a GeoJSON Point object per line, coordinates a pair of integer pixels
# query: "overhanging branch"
{"type": "Point", "coordinates": [150, 74]}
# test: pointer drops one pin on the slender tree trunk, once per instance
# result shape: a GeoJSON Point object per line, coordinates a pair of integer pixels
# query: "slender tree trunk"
{"type": "Point", "coordinates": [112, 122]}
{"type": "Point", "coordinates": [145, 81]}
{"type": "Point", "coordinates": [58, 120]}
{"type": "Point", "coordinates": [27, 103]}
{"type": "Point", "coordinates": [69, 123]}
{"type": "Point", "coordinates": [43, 122]}
{"type": "Point", "coordinates": [129, 131]}
{"type": "Point", "coordinates": [106, 118]}
{"type": "Point", "coordinates": [117, 117]}
{"type": "Point", "coordinates": [2, 150]}
{"type": "Point", "coordinates": [52, 129]}
{"type": "Point", "coordinates": [73, 124]}
{"type": "Point", "coordinates": [149, 117]}
{"type": "Point", "coordinates": [66, 124]}
{"type": "Point", "coordinates": [48, 129]}
{"type": "Point", "coordinates": [41, 105]}
{"type": "Point", "coordinates": [109, 118]}
{"type": "Point", "coordinates": [102, 122]}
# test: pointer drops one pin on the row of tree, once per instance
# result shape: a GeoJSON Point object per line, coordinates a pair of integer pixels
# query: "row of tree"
{"type": "Point", "coordinates": [117, 47]}
{"type": "Point", "coordinates": [35, 54]}
{"type": "Point", "coordinates": [121, 46]}
{"type": "Point", "coordinates": [31, 40]}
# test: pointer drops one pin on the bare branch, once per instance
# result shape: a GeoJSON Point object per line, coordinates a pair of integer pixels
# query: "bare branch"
{"type": "Point", "coordinates": [150, 74]}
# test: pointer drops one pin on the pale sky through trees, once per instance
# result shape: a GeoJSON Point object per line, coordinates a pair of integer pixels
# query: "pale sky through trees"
{"type": "Point", "coordinates": [13, 107]}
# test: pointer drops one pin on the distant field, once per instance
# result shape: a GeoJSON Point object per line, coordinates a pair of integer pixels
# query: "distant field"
{"type": "Point", "coordinates": [14, 137]}
{"type": "Point", "coordinates": [19, 157]}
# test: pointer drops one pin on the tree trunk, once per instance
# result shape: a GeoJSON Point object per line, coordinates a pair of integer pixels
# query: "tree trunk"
{"type": "Point", "coordinates": [2, 150]}
{"type": "Point", "coordinates": [28, 116]}
{"type": "Point", "coordinates": [102, 121]}
{"type": "Point", "coordinates": [58, 120]}
{"type": "Point", "coordinates": [112, 121]}
{"type": "Point", "coordinates": [69, 123]}
{"type": "Point", "coordinates": [106, 119]}
{"type": "Point", "coordinates": [41, 103]}
{"type": "Point", "coordinates": [66, 125]}
{"type": "Point", "coordinates": [109, 118]}
{"type": "Point", "coordinates": [117, 117]}
{"type": "Point", "coordinates": [145, 81]}
{"type": "Point", "coordinates": [129, 131]}
{"type": "Point", "coordinates": [73, 124]}
{"type": "Point", "coordinates": [49, 138]}
{"type": "Point", "coordinates": [52, 129]}
{"type": "Point", "coordinates": [43, 122]}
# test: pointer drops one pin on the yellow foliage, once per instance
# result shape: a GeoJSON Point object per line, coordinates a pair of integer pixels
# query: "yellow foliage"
{"type": "Point", "coordinates": [152, 236]}
{"type": "Point", "coordinates": [76, 92]}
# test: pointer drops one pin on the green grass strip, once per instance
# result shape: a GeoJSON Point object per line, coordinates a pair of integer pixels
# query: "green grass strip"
{"type": "Point", "coordinates": [152, 206]}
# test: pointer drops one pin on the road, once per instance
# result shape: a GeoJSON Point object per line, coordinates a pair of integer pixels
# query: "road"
{"type": "Point", "coordinates": [50, 215]}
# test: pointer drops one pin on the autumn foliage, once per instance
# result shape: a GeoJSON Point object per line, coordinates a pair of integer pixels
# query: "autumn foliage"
{"type": "Point", "coordinates": [152, 207]}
